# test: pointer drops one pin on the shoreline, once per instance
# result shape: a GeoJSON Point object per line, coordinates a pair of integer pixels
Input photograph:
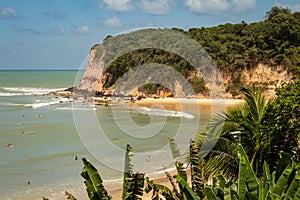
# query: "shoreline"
{"type": "Point", "coordinates": [148, 101]}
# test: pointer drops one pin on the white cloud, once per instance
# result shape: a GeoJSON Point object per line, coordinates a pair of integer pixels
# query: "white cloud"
{"type": "Point", "coordinates": [113, 22]}
{"type": "Point", "coordinates": [211, 7]}
{"type": "Point", "coordinates": [83, 30]}
{"type": "Point", "coordinates": [157, 7]}
{"type": "Point", "coordinates": [294, 8]}
{"type": "Point", "coordinates": [9, 13]}
{"type": "Point", "coordinates": [241, 6]}
{"type": "Point", "coordinates": [76, 30]}
{"type": "Point", "coordinates": [119, 5]}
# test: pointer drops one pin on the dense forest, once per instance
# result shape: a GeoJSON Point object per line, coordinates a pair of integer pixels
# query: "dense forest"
{"type": "Point", "coordinates": [234, 47]}
{"type": "Point", "coordinates": [274, 41]}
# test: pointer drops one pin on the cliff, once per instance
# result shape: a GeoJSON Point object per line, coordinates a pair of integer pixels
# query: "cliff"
{"type": "Point", "coordinates": [264, 76]}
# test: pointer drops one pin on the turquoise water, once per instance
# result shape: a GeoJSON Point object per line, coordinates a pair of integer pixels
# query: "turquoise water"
{"type": "Point", "coordinates": [46, 132]}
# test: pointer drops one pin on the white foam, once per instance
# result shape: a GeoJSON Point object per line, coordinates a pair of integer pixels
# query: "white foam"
{"type": "Point", "coordinates": [27, 91]}
{"type": "Point", "coordinates": [44, 104]}
{"type": "Point", "coordinates": [75, 108]}
{"type": "Point", "coordinates": [9, 94]}
{"type": "Point", "coordinates": [39, 105]}
{"type": "Point", "coordinates": [160, 112]}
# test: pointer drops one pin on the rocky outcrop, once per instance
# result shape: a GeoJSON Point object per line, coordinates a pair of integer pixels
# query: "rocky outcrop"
{"type": "Point", "coordinates": [92, 77]}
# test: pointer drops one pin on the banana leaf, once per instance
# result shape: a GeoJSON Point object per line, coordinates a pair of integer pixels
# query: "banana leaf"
{"type": "Point", "coordinates": [188, 193]}
{"type": "Point", "coordinates": [181, 171]}
{"type": "Point", "coordinates": [285, 160]}
{"type": "Point", "coordinates": [295, 185]}
{"type": "Point", "coordinates": [197, 170]}
{"type": "Point", "coordinates": [128, 168]}
{"type": "Point", "coordinates": [248, 182]}
{"type": "Point", "coordinates": [70, 196]}
{"type": "Point", "coordinates": [282, 181]}
{"type": "Point", "coordinates": [230, 191]}
{"type": "Point", "coordinates": [209, 193]}
{"type": "Point", "coordinates": [93, 182]}
{"type": "Point", "coordinates": [159, 189]}
{"type": "Point", "coordinates": [173, 183]}
{"type": "Point", "coordinates": [297, 194]}
{"type": "Point", "coordinates": [135, 185]}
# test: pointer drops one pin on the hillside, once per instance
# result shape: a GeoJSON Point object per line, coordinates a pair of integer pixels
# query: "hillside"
{"type": "Point", "coordinates": [263, 54]}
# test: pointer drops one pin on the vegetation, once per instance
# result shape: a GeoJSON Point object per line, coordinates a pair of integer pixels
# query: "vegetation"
{"type": "Point", "coordinates": [248, 186]}
{"type": "Point", "coordinates": [262, 128]}
{"type": "Point", "coordinates": [282, 120]}
{"type": "Point", "coordinates": [274, 41]}
{"type": "Point", "coordinates": [235, 47]}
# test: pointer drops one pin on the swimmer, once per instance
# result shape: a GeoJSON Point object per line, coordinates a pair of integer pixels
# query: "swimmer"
{"type": "Point", "coordinates": [28, 182]}
{"type": "Point", "coordinates": [148, 159]}
{"type": "Point", "coordinates": [38, 115]}
{"type": "Point", "coordinates": [9, 145]}
{"type": "Point", "coordinates": [75, 158]}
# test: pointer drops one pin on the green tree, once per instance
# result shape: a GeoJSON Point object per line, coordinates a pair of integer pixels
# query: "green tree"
{"type": "Point", "coordinates": [282, 122]}
{"type": "Point", "coordinates": [241, 124]}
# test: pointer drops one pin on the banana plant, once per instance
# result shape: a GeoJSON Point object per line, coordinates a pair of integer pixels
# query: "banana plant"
{"type": "Point", "coordinates": [133, 183]}
{"type": "Point", "coordinates": [181, 189]}
{"type": "Point", "coordinates": [93, 182]}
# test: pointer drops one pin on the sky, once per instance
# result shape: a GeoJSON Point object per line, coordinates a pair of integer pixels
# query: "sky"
{"type": "Point", "coordinates": [58, 34]}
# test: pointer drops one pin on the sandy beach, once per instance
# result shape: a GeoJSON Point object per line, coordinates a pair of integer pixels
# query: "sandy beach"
{"type": "Point", "coordinates": [176, 101]}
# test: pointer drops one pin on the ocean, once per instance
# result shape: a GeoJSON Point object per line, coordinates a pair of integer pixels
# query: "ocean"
{"type": "Point", "coordinates": [40, 135]}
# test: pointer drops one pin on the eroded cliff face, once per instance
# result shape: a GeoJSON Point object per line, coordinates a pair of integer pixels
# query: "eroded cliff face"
{"type": "Point", "coordinates": [263, 76]}
{"type": "Point", "coordinates": [92, 77]}
{"type": "Point", "coordinates": [266, 77]}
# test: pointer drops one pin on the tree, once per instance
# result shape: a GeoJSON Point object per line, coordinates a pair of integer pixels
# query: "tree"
{"type": "Point", "coordinates": [241, 124]}
{"type": "Point", "coordinates": [282, 122]}
{"type": "Point", "coordinates": [276, 11]}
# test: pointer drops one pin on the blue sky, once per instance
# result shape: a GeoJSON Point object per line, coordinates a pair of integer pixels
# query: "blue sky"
{"type": "Point", "coordinates": [58, 34]}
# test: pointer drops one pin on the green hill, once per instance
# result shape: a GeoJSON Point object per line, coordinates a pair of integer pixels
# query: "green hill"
{"type": "Point", "coordinates": [238, 50]}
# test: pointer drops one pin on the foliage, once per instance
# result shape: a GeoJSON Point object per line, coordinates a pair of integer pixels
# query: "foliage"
{"type": "Point", "coordinates": [240, 124]}
{"type": "Point", "coordinates": [282, 120]}
{"type": "Point", "coordinates": [93, 182]}
{"type": "Point", "coordinates": [70, 196]}
{"type": "Point", "coordinates": [274, 41]}
{"type": "Point", "coordinates": [249, 186]}
{"type": "Point", "coordinates": [133, 183]}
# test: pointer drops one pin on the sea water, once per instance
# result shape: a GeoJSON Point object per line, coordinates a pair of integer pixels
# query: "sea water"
{"type": "Point", "coordinates": [40, 135]}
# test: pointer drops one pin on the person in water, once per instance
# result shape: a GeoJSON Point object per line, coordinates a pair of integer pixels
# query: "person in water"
{"type": "Point", "coordinates": [148, 159]}
{"type": "Point", "coordinates": [75, 158]}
